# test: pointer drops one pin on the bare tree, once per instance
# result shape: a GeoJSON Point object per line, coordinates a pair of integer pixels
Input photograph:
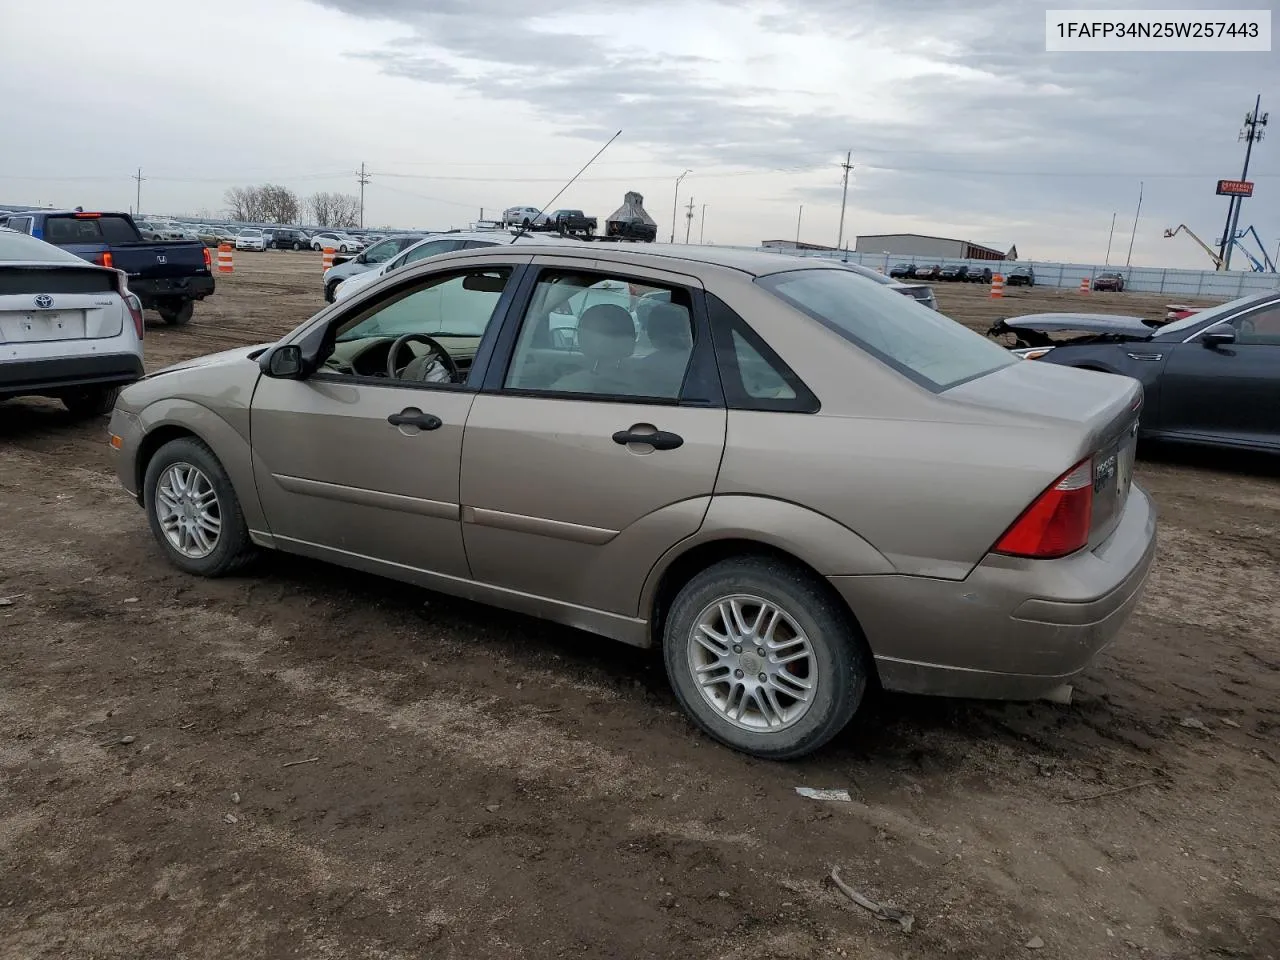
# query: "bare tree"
{"type": "Point", "coordinates": [269, 203]}
{"type": "Point", "coordinates": [279, 204]}
{"type": "Point", "coordinates": [321, 207]}
{"type": "Point", "coordinates": [346, 210]}
{"type": "Point", "coordinates": [240, 203]}
{"type": "Point", "coordinates": [335, 209]}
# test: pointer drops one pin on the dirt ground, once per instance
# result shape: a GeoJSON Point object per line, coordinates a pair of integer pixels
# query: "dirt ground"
{"type": "Point", "coordinates": [477, 784]}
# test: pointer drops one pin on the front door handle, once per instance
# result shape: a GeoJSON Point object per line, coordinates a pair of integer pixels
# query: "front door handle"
{"type": "Point", "coordinates": [659, 439]}
{"type": "Point", "coordinates": [412, 417]}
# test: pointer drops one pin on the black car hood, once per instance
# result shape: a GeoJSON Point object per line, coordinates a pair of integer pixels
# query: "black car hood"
{"type": "Point", "coordinates": [1135, 327]}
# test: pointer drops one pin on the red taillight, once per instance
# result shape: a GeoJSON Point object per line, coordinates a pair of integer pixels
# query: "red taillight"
{"type": "Point", "coordinates": [208, 260]}
{"type": "Point", "coordinates": [1058, 522]}
{"type": "Point", "coordinates": [104, 259]}
{"type": "Point", "coordinates": [132, 302]}
{"type": "Point", "coordinates": [87, 216]}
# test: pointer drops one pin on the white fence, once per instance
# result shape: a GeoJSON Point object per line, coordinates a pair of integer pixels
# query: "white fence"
{"type": "Point", "coordinates": [1185, 283]}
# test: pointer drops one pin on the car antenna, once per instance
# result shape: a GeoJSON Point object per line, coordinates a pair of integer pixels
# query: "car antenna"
{"type": "Point", "coordinates": [523, 230]}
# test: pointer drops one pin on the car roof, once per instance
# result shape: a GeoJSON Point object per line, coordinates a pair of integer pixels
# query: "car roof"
{"type": "Point", "coordinates": [668, 256]}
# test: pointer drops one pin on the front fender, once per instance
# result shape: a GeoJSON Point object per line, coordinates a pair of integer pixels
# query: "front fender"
{"type": "Point", "coordinates": [228, 445]}
{"type": "Point", "coordinates": [827, 546]}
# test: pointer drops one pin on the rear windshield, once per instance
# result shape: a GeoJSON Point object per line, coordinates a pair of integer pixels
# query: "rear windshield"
{"type": "Point", "coordinates": [104, 229]}
{"type": "Point", "coordinates": [17, 247]}
{"type": "Point", "coordinates": [919, 343]}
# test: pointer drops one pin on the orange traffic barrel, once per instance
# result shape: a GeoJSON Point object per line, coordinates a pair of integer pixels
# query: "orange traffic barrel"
{"type": "Point", "coordinates": [327, 262]}
{"type": "Point", "coordinates": [1084, 285]}
{"type": "Point", "coordinates": [997, 286]}
{"type": "Point", "coordinates": [226, 258]}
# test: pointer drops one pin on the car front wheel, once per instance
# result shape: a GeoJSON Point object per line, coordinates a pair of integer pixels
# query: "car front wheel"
{"type": "Point", "coordinates": [763, 658]}
{"type": "Point", "coordinates": [193, 510]}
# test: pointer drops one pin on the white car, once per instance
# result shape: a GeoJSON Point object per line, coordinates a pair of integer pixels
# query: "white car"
{"type": "Point", "coordinates": [430, 247]}
{"type": "Point", "coordinates": [523, 217]}
{"type": "Point", "coordinates": [251, 238]}
{"type": "Point", "coordinates": [68, 329]}
{"type": "Point", "coordinates": [338, 242]}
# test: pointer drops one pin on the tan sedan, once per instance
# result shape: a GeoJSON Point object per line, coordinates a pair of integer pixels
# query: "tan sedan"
{"type": "Point", "coordinates": [794, 480]}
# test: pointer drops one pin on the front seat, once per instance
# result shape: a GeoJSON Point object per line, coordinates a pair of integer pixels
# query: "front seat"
{"type": "Point", "coordinates": [607, 338]}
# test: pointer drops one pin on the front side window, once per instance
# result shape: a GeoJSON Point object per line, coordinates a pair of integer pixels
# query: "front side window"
{"type": "Point", "coordinates": [601, 335]}
{"type": "Point", "coordinates": [381, 252]}
{"type": "Point", "coordinates": [922, 344]}
{"type": "Point", "coordinates": [429, 333]}
{"type": "Point", "coordinates": [1259, 326]}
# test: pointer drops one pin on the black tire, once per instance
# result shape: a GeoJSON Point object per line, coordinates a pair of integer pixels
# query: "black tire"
{"type": "Point", "coordinates": [177, 314]}
{"type": "Point", "coordinates": [841, 664]}
{"type": "Point", "coordinates": [525, 224]}
{"type": "Point", "coordinates": [91, 402]}
{"type": "Point", "coordinates": [233, 548]}
{"type": "Point", "coordinates": [330, 289]}
{"type": "Point", "coordinates": [297, 245]}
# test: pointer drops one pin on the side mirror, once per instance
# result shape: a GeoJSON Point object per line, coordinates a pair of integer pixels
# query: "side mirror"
{"type": "Point", "coordinates": [284, 362]}
{"type": "Point", "coordinates": [1218, 337]}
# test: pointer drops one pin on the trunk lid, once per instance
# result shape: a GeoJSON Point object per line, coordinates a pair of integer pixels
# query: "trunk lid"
{"type": "Point", "coordinates": [44, 303]}
{"type": "Point", "coordinates": [1101, 409]}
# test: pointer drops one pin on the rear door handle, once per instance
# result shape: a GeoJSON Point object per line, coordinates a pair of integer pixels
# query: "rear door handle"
{"type": "Point", "coordinates": [411, 417]}
{"type": "Point", "coordinates": [659, 439]}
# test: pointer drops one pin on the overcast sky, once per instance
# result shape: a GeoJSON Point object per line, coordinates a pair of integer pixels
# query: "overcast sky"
{"type": "Point", "coordinates": [960, 123]}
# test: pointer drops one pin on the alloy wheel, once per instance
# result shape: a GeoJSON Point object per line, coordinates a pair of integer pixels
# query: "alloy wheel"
{"type": "Point", "coordinates": [187, 507]}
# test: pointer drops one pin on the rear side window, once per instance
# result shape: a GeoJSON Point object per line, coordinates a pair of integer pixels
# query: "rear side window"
{"type": "Point", "coordinates": [921, 344]}
{"type": "Point", "coordinates": [105, 229]}
{"type": "Point", "coordinates": [21, 224]}
{"type": "Point", "coordinates": [753, 376]}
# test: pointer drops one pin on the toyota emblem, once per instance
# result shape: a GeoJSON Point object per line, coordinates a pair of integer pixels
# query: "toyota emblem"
{"type": "Point", "coordinates": [44, 301]}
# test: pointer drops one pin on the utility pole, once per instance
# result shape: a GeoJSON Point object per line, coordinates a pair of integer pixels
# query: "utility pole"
{"type": "Point", "coordinates": [362, 178]}
{"type": "Point", "coordinates": [1250, 134]}
{"type": "Point", "coordinates": [1135, 225]}
{"type": "Point", "coordinates": [847, 166]}
{"type": "Point", "coordinates": [137, 206]}
{"type": "Point", "coordinates": [1107, 262]}
{"type": "Point", "coordinates": [798, 216]}
{"type": "Point", "coordinates": [675, 200]}
{"type": "Point", "coordinates": [702, 227]}
{"type": "Point", "coordinates": [688, 221]}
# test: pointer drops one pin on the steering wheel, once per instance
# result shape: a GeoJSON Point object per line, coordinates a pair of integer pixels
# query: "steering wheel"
{"type": "Point", "coordinates": [432, 345]}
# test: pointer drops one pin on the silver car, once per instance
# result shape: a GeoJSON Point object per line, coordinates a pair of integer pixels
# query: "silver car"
{"type": "Point", "coordinates": [796, 482]}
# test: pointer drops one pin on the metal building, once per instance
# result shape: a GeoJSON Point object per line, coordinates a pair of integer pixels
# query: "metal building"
{"type": "Point", "coordinates": [918, 245]}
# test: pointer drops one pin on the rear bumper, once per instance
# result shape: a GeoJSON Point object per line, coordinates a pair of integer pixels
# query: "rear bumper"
{"type": "Point", "coordinates": [35, 377]}
{"type": "Point", "coordinates": [1013, 629]}
{"type": "Point", "coordinates": [153, 290]}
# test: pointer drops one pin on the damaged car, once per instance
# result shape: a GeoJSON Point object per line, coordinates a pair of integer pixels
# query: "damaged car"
{"type": "Point", "coordinates": [1210, 378]}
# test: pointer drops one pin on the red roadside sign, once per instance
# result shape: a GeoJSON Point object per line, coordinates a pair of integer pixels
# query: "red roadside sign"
{"type": "Point", "coordinates": [1235, 188]}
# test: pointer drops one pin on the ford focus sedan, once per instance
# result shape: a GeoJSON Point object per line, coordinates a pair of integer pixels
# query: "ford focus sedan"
{"type": "Point", "coordinates": [793, 481]}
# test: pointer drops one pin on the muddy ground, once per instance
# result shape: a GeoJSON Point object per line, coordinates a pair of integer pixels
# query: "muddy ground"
{"type": "Point", "coordinates": [484, 785]}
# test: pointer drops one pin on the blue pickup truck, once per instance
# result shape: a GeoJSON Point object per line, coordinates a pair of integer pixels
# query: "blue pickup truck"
{"type": "Point", "coordinates": [166, 275]}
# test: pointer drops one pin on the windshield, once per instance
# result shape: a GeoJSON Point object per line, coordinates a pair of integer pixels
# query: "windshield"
{"type": "Point", "coordinates": [1186, 323]}
{"type": "Point", "coordinates": [919, 343]}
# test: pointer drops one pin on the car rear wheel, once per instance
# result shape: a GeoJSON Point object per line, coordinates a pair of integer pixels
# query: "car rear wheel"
{"type": "Point", "coordinates": [93, 402]}
{"type": "Point", "coordinates": [193, 510]}
{"type": "Point", "coordinates": [297, 245]}
{"type": "Point", "coordinates": [177, 314]}
{"type": "Point", "coordinates": [763, 658]}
